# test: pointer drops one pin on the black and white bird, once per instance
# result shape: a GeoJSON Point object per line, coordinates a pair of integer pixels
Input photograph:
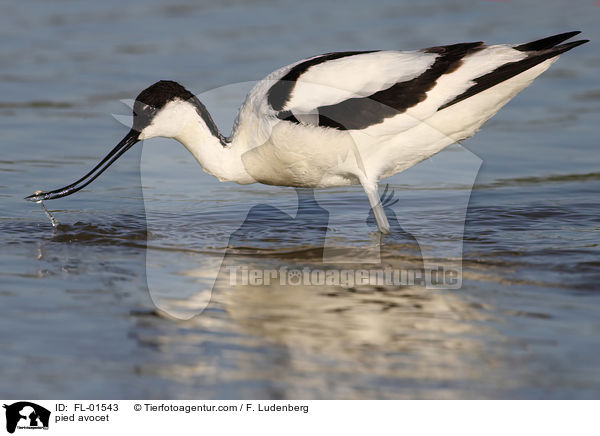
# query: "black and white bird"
{"type": "Point", "coordinates": [342, 118]}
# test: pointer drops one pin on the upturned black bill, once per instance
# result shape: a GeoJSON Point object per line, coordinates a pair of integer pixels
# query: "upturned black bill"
{"type": "Point", "coordinates": [126, 143]}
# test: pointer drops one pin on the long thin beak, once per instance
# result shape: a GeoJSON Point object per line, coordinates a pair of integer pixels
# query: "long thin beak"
{"type": "Point", "coordinates": [126, 143]}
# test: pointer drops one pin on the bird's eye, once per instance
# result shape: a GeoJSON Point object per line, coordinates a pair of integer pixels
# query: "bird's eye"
{"type": "Point", "coordinates": [146, 110]}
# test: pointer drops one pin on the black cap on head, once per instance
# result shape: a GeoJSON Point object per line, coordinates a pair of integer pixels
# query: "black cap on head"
{"type": "Point", "coordinates": [154, 98]}
{"type": "Point", "coordinates": [147, 104]}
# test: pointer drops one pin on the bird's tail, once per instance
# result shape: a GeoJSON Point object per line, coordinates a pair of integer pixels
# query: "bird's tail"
{"type": "Point", "coordinates": [551, 43]}
{"type": "Point", "coordinates": [537, 52]}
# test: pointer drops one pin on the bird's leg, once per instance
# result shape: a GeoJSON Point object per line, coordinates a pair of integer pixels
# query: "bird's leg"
{"type": "Point", "coordinates": [372, 192]}
{"type": "Point", "coordinates": [306, 198]}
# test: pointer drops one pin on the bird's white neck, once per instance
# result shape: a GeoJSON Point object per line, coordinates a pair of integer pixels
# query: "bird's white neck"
{"type": "Point", "coordinates": [217, 157]}
{"type": "Point", "coordinates": [190, 123]}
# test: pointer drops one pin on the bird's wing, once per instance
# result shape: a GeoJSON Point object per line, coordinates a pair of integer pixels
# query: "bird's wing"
{"type": "Point", "coordinates": [335, 77]}
{"type": "Point", "coordinates": [367, 90]}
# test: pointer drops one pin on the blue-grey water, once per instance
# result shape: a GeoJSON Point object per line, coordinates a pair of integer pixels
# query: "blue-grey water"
{"type": "Point", "coordinates": [93, 308]}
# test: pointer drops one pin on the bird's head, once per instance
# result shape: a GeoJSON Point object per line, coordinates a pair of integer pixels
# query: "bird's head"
{"type": "Point", "coordinates": [163, 109]}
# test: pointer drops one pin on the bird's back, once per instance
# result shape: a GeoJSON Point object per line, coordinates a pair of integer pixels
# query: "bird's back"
{"type": "Point", "coordinates": [397, 107]}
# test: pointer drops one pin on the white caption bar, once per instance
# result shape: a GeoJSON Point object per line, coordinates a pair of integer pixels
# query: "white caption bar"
{"type": "Point", "coordinates": [22, 417]}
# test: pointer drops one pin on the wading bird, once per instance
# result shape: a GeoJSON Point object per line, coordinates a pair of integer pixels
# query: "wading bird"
{"type": "Point", "coordinates": [342, 118]}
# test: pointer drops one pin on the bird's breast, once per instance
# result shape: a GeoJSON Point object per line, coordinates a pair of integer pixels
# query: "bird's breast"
{"type": "Point", "coordinates": [302, 156]}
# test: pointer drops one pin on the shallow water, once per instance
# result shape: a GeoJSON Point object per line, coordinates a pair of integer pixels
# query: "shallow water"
{"type": "Point", "coordinates": [92, 308]}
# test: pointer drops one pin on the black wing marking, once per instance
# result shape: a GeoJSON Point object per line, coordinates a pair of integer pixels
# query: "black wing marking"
{"type": "Point", "coordinates": [546, 43]}
{"type": "Point", "coordinates": [279, 94]}
{"type": "Point", "coordinates": [512, 69]}
{"type": "Point", "coordinates": [362, 112]}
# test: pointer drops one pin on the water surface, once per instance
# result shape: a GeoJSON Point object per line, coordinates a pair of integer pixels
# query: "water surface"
{"type": "Point", "coordinates": [79, 318]}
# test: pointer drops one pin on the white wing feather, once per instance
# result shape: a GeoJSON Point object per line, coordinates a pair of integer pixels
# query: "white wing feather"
{"type": "Point", "coordinates": [355, 76]}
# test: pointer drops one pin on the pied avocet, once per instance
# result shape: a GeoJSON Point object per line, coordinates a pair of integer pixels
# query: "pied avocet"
{"type": "Point", "coordinates": [342, 118]}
